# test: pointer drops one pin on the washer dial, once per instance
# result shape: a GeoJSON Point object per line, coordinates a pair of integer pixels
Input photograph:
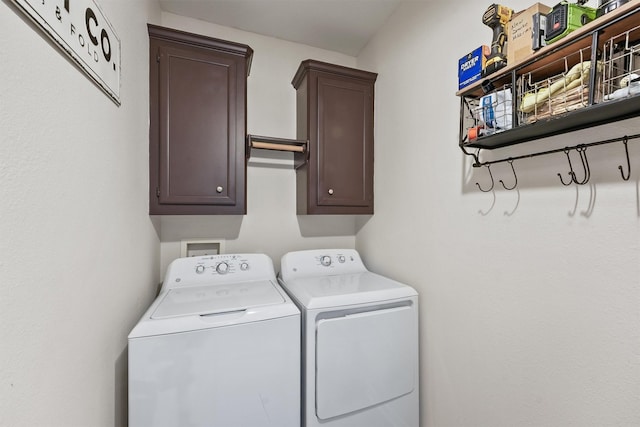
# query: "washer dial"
{"type": "Point", "coordinates": [222, 268]}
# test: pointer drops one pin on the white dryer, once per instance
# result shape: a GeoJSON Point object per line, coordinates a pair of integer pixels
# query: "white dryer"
{"type": "Point", "coordinates": [359, 344]}
{"type": "Point", "coordinates": [220, 346]}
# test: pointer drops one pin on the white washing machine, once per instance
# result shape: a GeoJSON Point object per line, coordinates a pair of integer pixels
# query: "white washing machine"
{"type": "Point", "coordinates": [360, 341]}
{"type": "Point", "coordinates": [220, 346]}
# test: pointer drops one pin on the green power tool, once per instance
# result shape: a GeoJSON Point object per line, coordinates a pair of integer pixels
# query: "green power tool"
{"type": "Point", "coordinates": [566, 17]}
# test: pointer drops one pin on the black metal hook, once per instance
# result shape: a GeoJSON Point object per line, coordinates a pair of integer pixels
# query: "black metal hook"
{"type": "Point", "coordinates": [626, 152]}
{"type": "Point", "coordinates": [582, 150]}
{"type": "Point", "coordinates": [514, 175]}
{"type": "Point", "coordinates": [492, 182]}
{"type": "Point", "coordinates": [572, 174]}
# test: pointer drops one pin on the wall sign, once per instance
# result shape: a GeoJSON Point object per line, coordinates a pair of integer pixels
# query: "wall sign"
{"type": "Point", "coordinates": [83, 32]}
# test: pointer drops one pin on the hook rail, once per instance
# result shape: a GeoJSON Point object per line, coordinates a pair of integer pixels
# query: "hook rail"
{"type": "Point", "coordinates": [477, 163]}
{"type": "Point", "coordinates": [581, 149]}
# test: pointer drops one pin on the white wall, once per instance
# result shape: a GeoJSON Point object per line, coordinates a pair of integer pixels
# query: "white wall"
{"type": "Point", "coordinates": [79, 255]}
{"type": "Point", "coordinates": [529, 299]}
{"type": "Point", "coordinates": [271, 225]}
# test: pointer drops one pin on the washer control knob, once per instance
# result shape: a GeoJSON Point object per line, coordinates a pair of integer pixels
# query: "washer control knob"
{"type": "Point", "coordinates": [222, 268]}
{"type": "Point", "coordinates": [341, 259]}
{"type": "Point", "coordinates": [200, 269]}
{"type": "Point", "coordinates": [244, 266]}
{"type": "Point", "coordinates": [325, 260]}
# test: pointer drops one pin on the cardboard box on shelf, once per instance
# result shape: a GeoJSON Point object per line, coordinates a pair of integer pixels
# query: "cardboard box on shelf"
{"type": "Point", "coordinates": [471, 65]}
{"type": "Point", "coordinates": [520, 33]}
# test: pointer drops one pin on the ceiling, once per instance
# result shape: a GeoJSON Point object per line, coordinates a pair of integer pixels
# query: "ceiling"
{"type": "Point", "coordinates": [338, 25]}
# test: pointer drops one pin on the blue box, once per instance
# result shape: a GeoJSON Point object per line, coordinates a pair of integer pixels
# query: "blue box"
{"type": "Point", "coordinates": [471, 65]}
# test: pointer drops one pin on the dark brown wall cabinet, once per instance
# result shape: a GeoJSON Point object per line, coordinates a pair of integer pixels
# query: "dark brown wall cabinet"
{"type": "Point", "coordinates": [197, 123]}
{"type": "Point", "coordinates": [335, 114]}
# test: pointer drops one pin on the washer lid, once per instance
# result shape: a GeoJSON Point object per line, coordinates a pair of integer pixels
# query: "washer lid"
{"type": "Point", "coordinates": [346, 289]}
{"type": "Point", "coordinates": [213, 299]}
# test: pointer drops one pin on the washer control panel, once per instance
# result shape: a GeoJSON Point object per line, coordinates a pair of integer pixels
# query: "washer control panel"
{"type": "Point", "coordinates": [328, 260]}
{"type": "Point", "coordinates": [216, 269]}
{"type": "Point", "coordinates": [321, 262]}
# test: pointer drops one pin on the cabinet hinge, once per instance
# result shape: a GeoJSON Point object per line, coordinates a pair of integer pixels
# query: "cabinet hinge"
{"type": "Point", "coordinates": [157, 191]}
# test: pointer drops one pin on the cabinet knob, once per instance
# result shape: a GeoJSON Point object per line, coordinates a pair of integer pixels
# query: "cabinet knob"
{"type": "Point", "coordinates": [330, 191]}
{"type": "Point", "coordinates": [219, 189]}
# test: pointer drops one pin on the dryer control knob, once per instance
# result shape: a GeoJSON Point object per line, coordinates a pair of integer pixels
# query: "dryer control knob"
{"type": "Point", "coordinates": [342, 259]}
{"type": "Point", "coordinates": [200, 269]}
{"type": "Point", "coordinates": [325, 260]}
{"type": "Point", "coordinates": [244, 266]}
{"type": "Point", "coordinates": [222, 268]}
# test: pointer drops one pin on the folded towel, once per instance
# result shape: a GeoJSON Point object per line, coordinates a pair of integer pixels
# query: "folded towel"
{"type": "Point", "coordinates": [577, 75]}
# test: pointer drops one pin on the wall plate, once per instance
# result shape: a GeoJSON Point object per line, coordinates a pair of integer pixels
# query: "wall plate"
{"type": "Point", "coordinates": [200, 247]}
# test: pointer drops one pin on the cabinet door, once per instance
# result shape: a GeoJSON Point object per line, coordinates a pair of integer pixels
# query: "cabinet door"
{"type": "Point", "coordinates": [198, 124]}
{"type": "Point", "coordinates": [197, 136]}
{"type": "Point", "coordinates": [345, 142]}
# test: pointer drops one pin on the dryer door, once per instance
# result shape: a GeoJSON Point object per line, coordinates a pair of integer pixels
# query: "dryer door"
{"type": "Point", "coordinates": [364, 359]}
